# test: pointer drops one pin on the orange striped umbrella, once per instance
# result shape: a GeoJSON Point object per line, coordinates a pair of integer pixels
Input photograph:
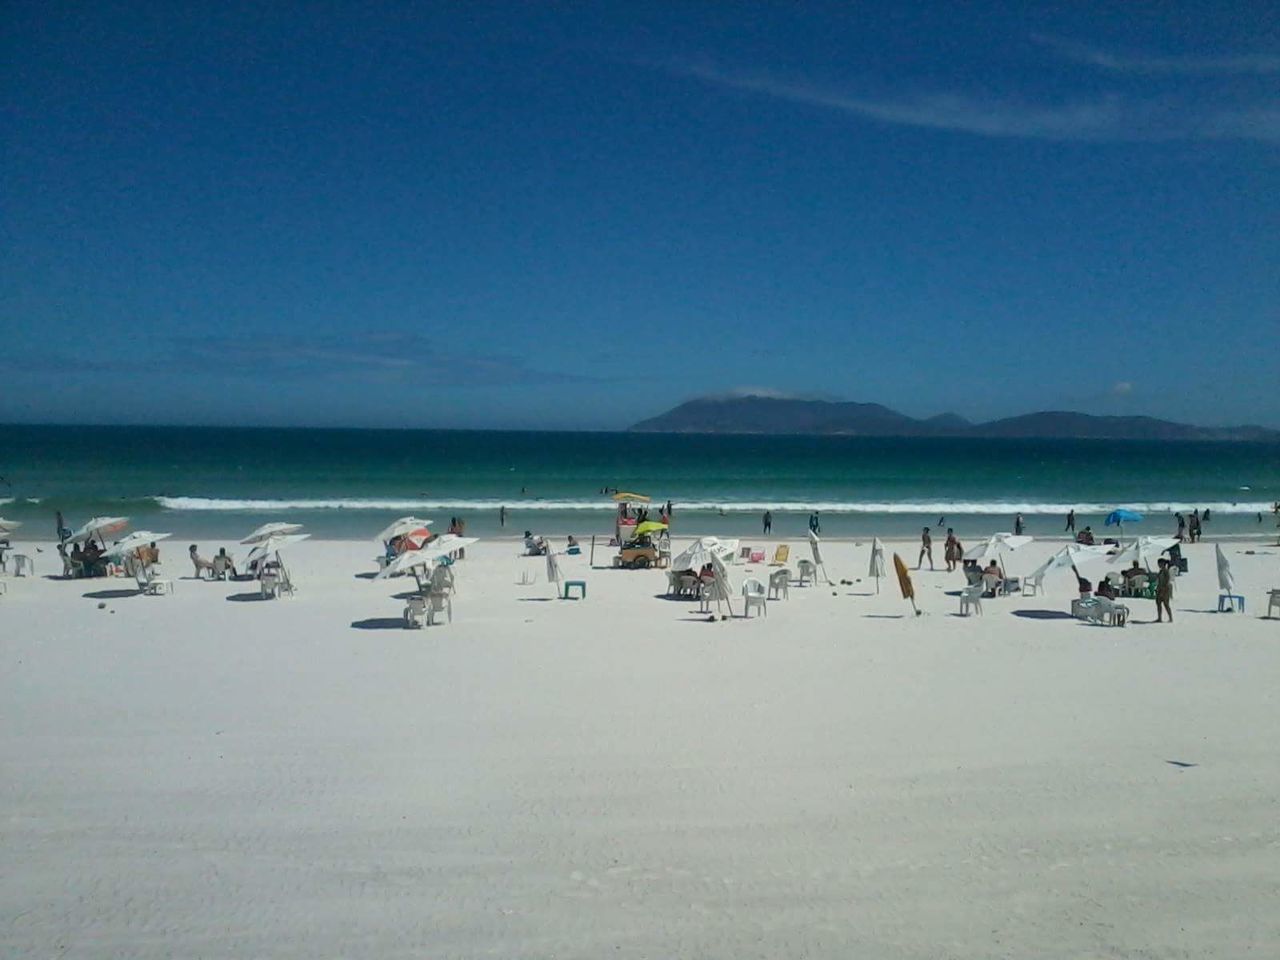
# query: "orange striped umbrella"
{"type": "Point", "coordinates": [904, 582]}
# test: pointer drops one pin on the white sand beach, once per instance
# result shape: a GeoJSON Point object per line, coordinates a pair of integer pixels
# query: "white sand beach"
{"type": "Point", "coordinates": [195, 776]}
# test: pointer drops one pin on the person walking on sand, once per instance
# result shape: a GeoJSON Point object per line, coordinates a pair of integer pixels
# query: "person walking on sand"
{"type": "Point", "coordinates": [1071, 522]}
{"type": "Point", "coordinates": [768, 522]}
{"type": "Point", "coordinates": [926, 549]}
{"type": "Point", "coordinates": [1164, 590]}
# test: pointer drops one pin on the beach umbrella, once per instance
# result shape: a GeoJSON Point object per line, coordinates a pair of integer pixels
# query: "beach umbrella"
{"type": "Point", "coordinates": [1145, 550]}
{"type": "Point", "coordinates": [99, 527]}
{"type": "Point", "coordinates": [877, 561]}
{"type": "Point", "coordinates": [995, 547]}
{"type": "Point", "coordinates": [399, 528]}
{"type": "Point", "coordinates": [1225, 580]}
{"type": "Point", "coordinates": [904, 582]}
{"type": "Point", "coordinates": [815, 547]}
{"type": "Point", "coordinates": [703, 551]}
{"type": "Point", "coordinates": [648, 527]}
{"type": "Point", "coordinates": [624, 497]}
{"type": "Point", "coordinates": [139, 538]}
{"type": "Point", "coordinates": [268, 530]}
{"type": "Point", "coordinates": [1120, 516]}
{"type": "Point", "coordinates": [273, 543]}
{"type": "Point", "coordinates": [429, 555]}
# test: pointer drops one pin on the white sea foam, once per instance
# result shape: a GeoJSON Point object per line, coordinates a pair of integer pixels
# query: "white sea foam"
{"type": "Point", "coordinates": [924, 507]}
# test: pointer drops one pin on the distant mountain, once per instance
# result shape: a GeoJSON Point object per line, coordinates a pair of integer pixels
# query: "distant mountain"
{"type": "Point", "coordinates": [774, 415]}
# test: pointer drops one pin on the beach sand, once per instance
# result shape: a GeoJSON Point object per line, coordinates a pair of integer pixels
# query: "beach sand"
{"type": "Point", "coordinates": [196, 776]}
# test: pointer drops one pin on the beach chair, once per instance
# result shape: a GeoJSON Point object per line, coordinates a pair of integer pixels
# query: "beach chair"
{"type": "Point", "coordinates": [806, 572]}
{"type": "Point", "coordinates": [1033, 585]}
{"type": "Point", "coordinates": [1082, 608]}
{"type": "Point", "coordinates": [971, 596]}
{"type": "Point", "coordinates": [780, 556]}
{"type": "Point", "coordinates": [415, 611]}
{"type": "Point", "coordinates": [753, 595]}
{"type": "Point", "coordinates": [1109, 612]}
{"type": "Point", "coordinates": [150, 585]}
{"type": "Point", "coordinates": [439, 602]}
{"type": "Point", "coordinates": [664, 553]}
{"type": "Point", "coordinates": [780, 584]}
{"type": "Point", "coordinates": [1273, 602]}
{"type": "Point", "coordinates": [744, 554]}
{"type": "Point", "coordinates": [23, 562]}
{"type": "Point", "coordinates": [992, 584]}
{"type": "Point", "coordinates": [269, 584]}
{"type": "Point", "coordinates": [221, 567]}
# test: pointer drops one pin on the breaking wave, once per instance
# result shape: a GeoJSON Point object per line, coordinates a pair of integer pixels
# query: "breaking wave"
{"type": "Point", "coordinates": [922, 507]}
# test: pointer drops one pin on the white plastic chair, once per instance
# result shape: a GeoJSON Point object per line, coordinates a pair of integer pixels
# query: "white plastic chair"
{"type": "Point", "coordinates": [269, 584]}
{"type": "Point", "coordinates": [780, 584]}
{"type": "Point", "coordinates": [150, 585]}
{"type": "Point", "coordinates": [414, 613]}
{"type": "Point", "coordinates": [971, 597]}
{"type": "Point", "coordinates": [753, 595]}
{"type": "Point", "coordinates": [806, 571]}
{"type": "Point", "coordinates": [1109, 612]}
{"type": "Point", "coordinates": [1033, 585]}
{"type": "Point", "coordinates": [992, 583]}
{"type": "Point", "coordinates": [1273, 602]}
{"type": "Point", "coordinates": [439, 603]}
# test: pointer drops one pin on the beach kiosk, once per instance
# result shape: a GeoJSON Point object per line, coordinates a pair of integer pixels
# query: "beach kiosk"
{"type": "Point", "coordinates": [644, 549]}
{"type": "Point", "coordinates": [631, 510]}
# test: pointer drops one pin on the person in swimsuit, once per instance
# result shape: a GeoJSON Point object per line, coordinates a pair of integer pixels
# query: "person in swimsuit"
{"type": "Point", "coordinates": [1164, 591]}
{"type": "Point", "coordinates": [951, 551]}
{"type": "Point", "coordinates": [926, 549]}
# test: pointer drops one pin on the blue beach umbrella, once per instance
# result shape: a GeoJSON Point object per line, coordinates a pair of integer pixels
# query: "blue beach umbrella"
{"type": "Point", "coordinates": [1120, 516]}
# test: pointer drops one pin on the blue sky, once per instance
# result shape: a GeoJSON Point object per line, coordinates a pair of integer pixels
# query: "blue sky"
{"type": "Point", "coordinates": [516, 216]}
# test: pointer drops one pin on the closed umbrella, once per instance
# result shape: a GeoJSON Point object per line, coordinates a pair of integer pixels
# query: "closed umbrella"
{"type": "Point", "coordinates": [877, 561]}
{"type": "Point", "coordinates": [268, 530]}
{"type": "Point", "coordinates": [1225, 580]}
{"type": "Point", "coordinates": [904, 582]}
{"type": "Point", "coordinates": [815, 547]}
{"type": "Point", "coordinates": [553, 570]}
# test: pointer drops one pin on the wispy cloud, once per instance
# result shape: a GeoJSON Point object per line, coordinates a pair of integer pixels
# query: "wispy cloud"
{"type": "Point", "coordinates": [1110, 118]}
{"type": "Point", "coordinates": [1258, 64]}
{"type": "Point", "coordinates": [396, 357]}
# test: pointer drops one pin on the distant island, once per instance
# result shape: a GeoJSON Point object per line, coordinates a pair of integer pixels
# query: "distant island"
{"type": "Point", "coordinates": [778, 415]}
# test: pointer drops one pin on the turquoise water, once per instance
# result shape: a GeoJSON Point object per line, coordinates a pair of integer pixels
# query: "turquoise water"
{"type": "Point", "coordinates": [349, 483]}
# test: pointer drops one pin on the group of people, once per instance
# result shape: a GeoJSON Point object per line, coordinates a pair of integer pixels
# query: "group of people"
{"type": "Point", "coordinates": [219, 568]}
{"type": "Point", "coordinates": [1191, 530]}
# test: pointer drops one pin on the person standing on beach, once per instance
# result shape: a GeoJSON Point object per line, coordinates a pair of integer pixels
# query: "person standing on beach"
{"type": "Point", "coordinates": [1182, 526]}
{"type": "Point", "coordinates": [926, 548]}
{"type": "Point", "coordinates": [1164, 590]}
{"type": "Point", "coordinates": [63, 532]}
{"type": "Point", "coordinates": [502, 516]}
{"type": "Point", "coordinates": [952, 551]}
{"type": "Point", "coordinates": [1017, 525]}
{"type": "Point", "coordinates": [768, 522]}
{"type": "Point", "coordinates": [1071, 522]}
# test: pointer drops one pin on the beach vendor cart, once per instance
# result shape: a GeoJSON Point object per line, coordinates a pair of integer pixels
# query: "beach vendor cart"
{"type": "Point", "coordinates": [645, 548]}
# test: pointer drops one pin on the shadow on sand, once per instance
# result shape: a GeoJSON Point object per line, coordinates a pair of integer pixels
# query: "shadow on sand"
{"type": "Point", "coordinates": [111, 594]}
{"type": "Point", "coordinates": [246, 597]}
{"type": "Point", "coordinates": [379, 623]}
{"type": "Point", "coordinates": [1043, 614]}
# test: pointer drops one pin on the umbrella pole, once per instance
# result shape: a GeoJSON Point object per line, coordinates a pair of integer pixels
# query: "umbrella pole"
{"type": "Point", "coordinates": [592, 561]}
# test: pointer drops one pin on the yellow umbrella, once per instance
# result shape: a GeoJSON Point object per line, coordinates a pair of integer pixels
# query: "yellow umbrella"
{"type": "Point", "coordinates": [630, 498]}
{"type": "Point", "coordinates": [904, 582]}
{"type": "Point", "coordinates": [649, 526]}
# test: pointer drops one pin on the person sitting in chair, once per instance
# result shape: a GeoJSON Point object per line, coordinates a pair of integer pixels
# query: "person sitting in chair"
{"type": "Point", "coordinates": [199, 562]}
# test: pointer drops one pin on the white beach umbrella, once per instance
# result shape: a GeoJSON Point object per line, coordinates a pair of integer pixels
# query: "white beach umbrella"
{"type": "Point", "coordinates": [273, 543]}
{"type": "Point", "coordinates": [99, 527]}
{"type": "Point", "coordinates": [876, 569]}
{"type": "Point", "coordinates": [268, 530]}
{"type": "Point", "coordinates": [402, 526]}
{"type": "Point", "coordinates": [139, 538]}
{"type": "Point", "coordinates": [699, 553]}
{"type": "Point", "coordinates": [429, 555]}
{"type": "Point", "coordinates": [995, 547]}
{"type": "Point", "coordinates": [1145, 550]}
{"type": "Point", "coordinates": [1072, 555]}
{"type": "Point", "coordinates": [1225, 579]}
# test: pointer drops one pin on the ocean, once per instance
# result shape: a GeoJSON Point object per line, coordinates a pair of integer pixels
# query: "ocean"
{"type": "Point", "coordinates": [223, 482]}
